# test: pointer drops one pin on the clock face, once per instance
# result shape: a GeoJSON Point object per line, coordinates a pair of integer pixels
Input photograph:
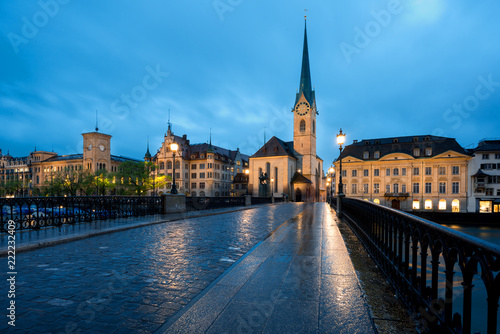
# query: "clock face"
{"type": "Point", "coordinates": [89, 147]}
{"type": "Point", "coordinates": [302, 108]}
{"type": "Point", "coordinates": [101, 147]}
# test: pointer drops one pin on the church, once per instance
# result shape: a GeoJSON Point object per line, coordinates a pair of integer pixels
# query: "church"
{"type": "Point", "coordinates": [291, 168]}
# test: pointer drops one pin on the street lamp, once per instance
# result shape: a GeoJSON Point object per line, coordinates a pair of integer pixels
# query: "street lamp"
{"type": "Point", "coordinates": [247, 172]}
{"type": "Point", "coordinates": [174, 147]}
{"type": "Point", "coordinates": [272, 187]}
{"type": "Point", "coordinates": [340, 141]}
{"type": "Point", "coordinates": [331, 170]}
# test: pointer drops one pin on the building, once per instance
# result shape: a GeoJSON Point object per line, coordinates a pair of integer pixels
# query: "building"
{"type": "Point", "coordinates": [413, 173]}
{"type": "Point", "coordinates": [484, 177]}
{"type": "Point", "coordinates": [40, 167]}
{"type": "Point", "coordinates": [200, 169]}
{"type": "Point", "coordinates": [292, 168]}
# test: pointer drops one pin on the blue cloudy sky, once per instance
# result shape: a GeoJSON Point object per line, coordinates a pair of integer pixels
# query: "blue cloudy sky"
{"type": "Point", "coordinates": [380, 69]}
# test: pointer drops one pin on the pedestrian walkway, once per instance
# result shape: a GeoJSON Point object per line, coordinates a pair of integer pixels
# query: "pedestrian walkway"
{"type": "Point", "coordinates": [29, 239]}
{"type": "Point", "coordinates": [299, 280]}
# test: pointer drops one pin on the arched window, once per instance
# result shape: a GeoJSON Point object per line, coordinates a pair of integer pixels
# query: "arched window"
{"type": "Point", "coordinates": [275, 179]}
{"type": "Point", "coordinates": [428, 204]}
{"type": "Point", "coordinates": [416, 204]}
{"type": "Point", "coordinates": [177, 164]}
{"type": "Point", "coordinates": [193, 193]}
{"type": "Point", "coordinates": [455, 205]}
{"type": "Point", "coordinates": [442, 204]}
{"type": "Point", "coordinates": [202, 193]}
{"type": "Point", "coordinates": [169, 164]}
{"type": "Point", "coordinates": [162, 165]}
{"type": "Point", "coordinates": [376, 201]}
{"type": "Point", "coordinates": [302, 126]}
{"type": "Point", "coordinates": [268, 169]}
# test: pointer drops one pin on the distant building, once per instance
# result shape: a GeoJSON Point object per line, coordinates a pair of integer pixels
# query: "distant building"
{"type": "Point", "coordinates": [292, 169]}
{"type": "Point", "coordinates": [484, 177]}
{"type": "Point", "coordinates": [200, 169]}
{"type": "Point", "coordinates": [413, 173]}
{"type": "Point", "coordinates": [39, 167]}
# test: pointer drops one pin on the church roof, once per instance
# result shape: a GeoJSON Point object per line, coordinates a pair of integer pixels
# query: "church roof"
{"type": "Point", "coordinates": [305, 86]}
{"type": "Point", "coordinates": [299, 178]}
{"type": "Point", "coordinates": [404, 144]}
{"type": "Point", "coordinates": [275, 147]}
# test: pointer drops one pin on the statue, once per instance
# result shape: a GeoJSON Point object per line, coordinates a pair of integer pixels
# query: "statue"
{"type": "Point", "coordinates": [264, 185]}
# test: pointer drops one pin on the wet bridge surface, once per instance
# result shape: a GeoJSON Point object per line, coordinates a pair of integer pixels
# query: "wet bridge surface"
{"type": "Point", "coordinates": [273, 269]}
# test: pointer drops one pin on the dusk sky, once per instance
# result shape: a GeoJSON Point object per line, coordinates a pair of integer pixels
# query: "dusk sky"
{"type": "Point", "coordinates": [380, 69]}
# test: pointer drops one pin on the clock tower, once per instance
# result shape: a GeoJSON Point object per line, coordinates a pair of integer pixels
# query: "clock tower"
{"type": "Point", "coordinates": [96, 151]}
{"type": "Point", "coordinates": [304, 122]}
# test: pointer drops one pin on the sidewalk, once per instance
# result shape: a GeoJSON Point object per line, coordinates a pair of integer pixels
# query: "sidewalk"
{"type": "Point", "coordinates": [27, 240]}
{"type": "Point", "coordinates": [299, 280]}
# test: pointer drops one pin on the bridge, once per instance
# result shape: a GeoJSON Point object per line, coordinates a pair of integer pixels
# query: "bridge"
{"type": "Point", "coordinates": [282, 267]}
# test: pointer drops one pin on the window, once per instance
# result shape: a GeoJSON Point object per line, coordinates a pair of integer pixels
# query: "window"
{"type": "Point", "coordinates": [193, 185]}
{"type": "Point", "coordinates": [376, 188]}
{"type": "Point", "coordinates": [442, 187]}
{"type": "Point", "coordinates": [485, 206]}
{"type": "Point", "coordinates": [202, 175]}
{"type": "Point", "coordinates": [376, 201]}
{"type": "Point", "coordinates": [455, 187]}
{"type": "Point", "coordinates": [428, 204]}
{"type": "Point", "coordinates": [395, 187]}
{"type": "Point", "coordinates": [387, 188]}
{"type": "Point", "coordinates": [376, 155]}
{"type": "Point", "coordinates": [403, 188]}
{"type": "Point", "coordinates": [344, 173]}
{"type": "Point", "coordinates": [162, 165]}
{"type": "Point", "coordinates": [202, 166]}
{"type": "Point", "coordinates": [210, 156]}
{"type": "Point", "coordinates": [428, 170]}
{"type": "Point", "coordinates": [442, 204]}
{"type": "Point", "coordinates": [455, 205]}
{"type": "Point", "coordinates": [354, 188]}
{"type": "Point", "coordinates": [442, 170]}
{"type": "Point", "coordinates": [302, 126]}
{"type": "Point", "coordinates": [455, 170]}
{"type": "Point", "coordinates": [365, 172]}
{"type": "Point", "coordinates": [486, 156]}
{"type": "Point", "coordinates": [497, 155]}
{"type": "Point", "coordinates": [403, 171]}
{"type": "Point", "coordinates": [416, 152]}
{"type": "Point", "coordinates": [193, 175]}
{"type": "Point", "coordinates": [416, 171]}
{"type": "Point", "coordinates": [428, 151]}
{"type": "Point", "coordinates": [211, 165]}
{"type": "Point", "coordinates": [376, 172]}
{"type": "Point", "coordinates": [416, 204]}
{"type": "Point", "coordinates": [387, 172]}
{"type": "Point", "coordinates": [428, 187]}
{"type": "Point", "coordinates": [210, 175]}
{"type": "Point", "coordinates": [366, 155]}
{"type": "Point", "coordinates": [354, 173]}
{"type": "Point", "coordinates": [365, 188]}
{"type": "Point", "coordinates": [202, 186]}
{"type": "Point", "coordinates": [489, 191]}
{"type": "Point", "coordinates": [488, 166]}
{"type": "Point", "coordinates": [169, 164]}
{"type": "Point", "coordinates": [177, 164]}
{"type": "Point", "coordinates": [395, 172]}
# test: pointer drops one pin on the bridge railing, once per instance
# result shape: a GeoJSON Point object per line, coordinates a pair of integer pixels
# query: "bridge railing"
{"type": "Point", "coordinates": [432, 267]}
{"type": "Point", "coordinates": [36, 212]}
{"type": "Point", "coordinates": [207, 203]}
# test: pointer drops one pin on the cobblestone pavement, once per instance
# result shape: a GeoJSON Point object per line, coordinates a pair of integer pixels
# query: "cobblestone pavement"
{"type": "Point", "coordinates": [132, 281]}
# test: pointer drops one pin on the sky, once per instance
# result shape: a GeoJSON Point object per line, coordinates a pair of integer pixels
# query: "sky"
{"type": "Point", "coordinates": [232, 67]}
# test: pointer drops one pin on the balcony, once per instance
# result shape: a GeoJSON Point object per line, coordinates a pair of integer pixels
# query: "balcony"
{"type": "Point", "coordinates": [397, 195]}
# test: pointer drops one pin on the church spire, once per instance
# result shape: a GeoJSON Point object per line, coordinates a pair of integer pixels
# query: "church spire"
{"type": "Point", "coordinates": [305, 86]}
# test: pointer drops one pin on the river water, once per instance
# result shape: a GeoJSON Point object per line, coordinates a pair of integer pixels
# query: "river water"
{"type": "Point", "coordinates": [479, 307]}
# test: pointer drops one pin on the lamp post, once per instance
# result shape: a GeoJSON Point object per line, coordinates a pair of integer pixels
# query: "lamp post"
{"type": "Point", "coordinates": [247, 173]}
{"type": "Point", "coordinates": [174, 147]}
{"type": "Point", "coordinates": [332, 176]}
{"type": "Point", "coordinates": [272, 187]}
{"type": "Point", "coordinates": [340, 141]}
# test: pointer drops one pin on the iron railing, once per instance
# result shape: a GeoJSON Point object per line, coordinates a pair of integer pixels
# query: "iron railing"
{"type": "Point", "coordinates": [207, 203]}
{"type": "Point", "coordinates": [36, 212]}
{"type": "Point", "coordinates": [433, 268]}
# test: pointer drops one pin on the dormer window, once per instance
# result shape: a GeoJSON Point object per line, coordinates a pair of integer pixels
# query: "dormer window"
{"type": "Point", "coordinates": [377, 141]}
{"type": "Point", "coordinates": [395, 140]}
{"type": "Point", "coordinates": [427, 138]}
{"type": "Point", "coordinates": [428, 151]}
{"type": "Point", "coordinates": [366, 155]}
{"type": "Point", "coordinates": [367, 142]}
{"type": "Point", "coordinates": [376, 155]}
{"type": "Point", "coordinates": [415, 139]}
{"type": "Point", "coordinates": [416, 152]}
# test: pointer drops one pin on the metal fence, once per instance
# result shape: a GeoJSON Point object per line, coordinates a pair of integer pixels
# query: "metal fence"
{"type": "Point", "coordinates": [207, 203]}
{"type": "Point", "coordinates": [432, 267]}
{"type": "Point", "coordinates": [36, 212]}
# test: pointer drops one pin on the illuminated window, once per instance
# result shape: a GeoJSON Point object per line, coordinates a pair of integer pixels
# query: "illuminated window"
{"type": "Point", "coordinates": [485, 206]}
{"type": "Point", "coordinates": [376, 201]}
{"type": "Point", "coordinates": [416, 204]}
{"type": "Point", "coordinates": [428, 204]}
{"type": "Point", "coordinates": [455, 205]}
{"type": "Point", "coordinates": [442, 204]}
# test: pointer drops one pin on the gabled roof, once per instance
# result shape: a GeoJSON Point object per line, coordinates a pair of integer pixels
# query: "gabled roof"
{"type": "Point", "coordinates": [275, 147]}
{"type": "Point", "coordinates": [198, 149]}
{"type": "Point", "coordinates": [299, 178]}
{"type": "Point", "coordinates": [405, 144]}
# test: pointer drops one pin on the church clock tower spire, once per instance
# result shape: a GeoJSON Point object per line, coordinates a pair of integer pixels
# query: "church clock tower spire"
{"type": "Point", "coordinates": [304, 123]}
